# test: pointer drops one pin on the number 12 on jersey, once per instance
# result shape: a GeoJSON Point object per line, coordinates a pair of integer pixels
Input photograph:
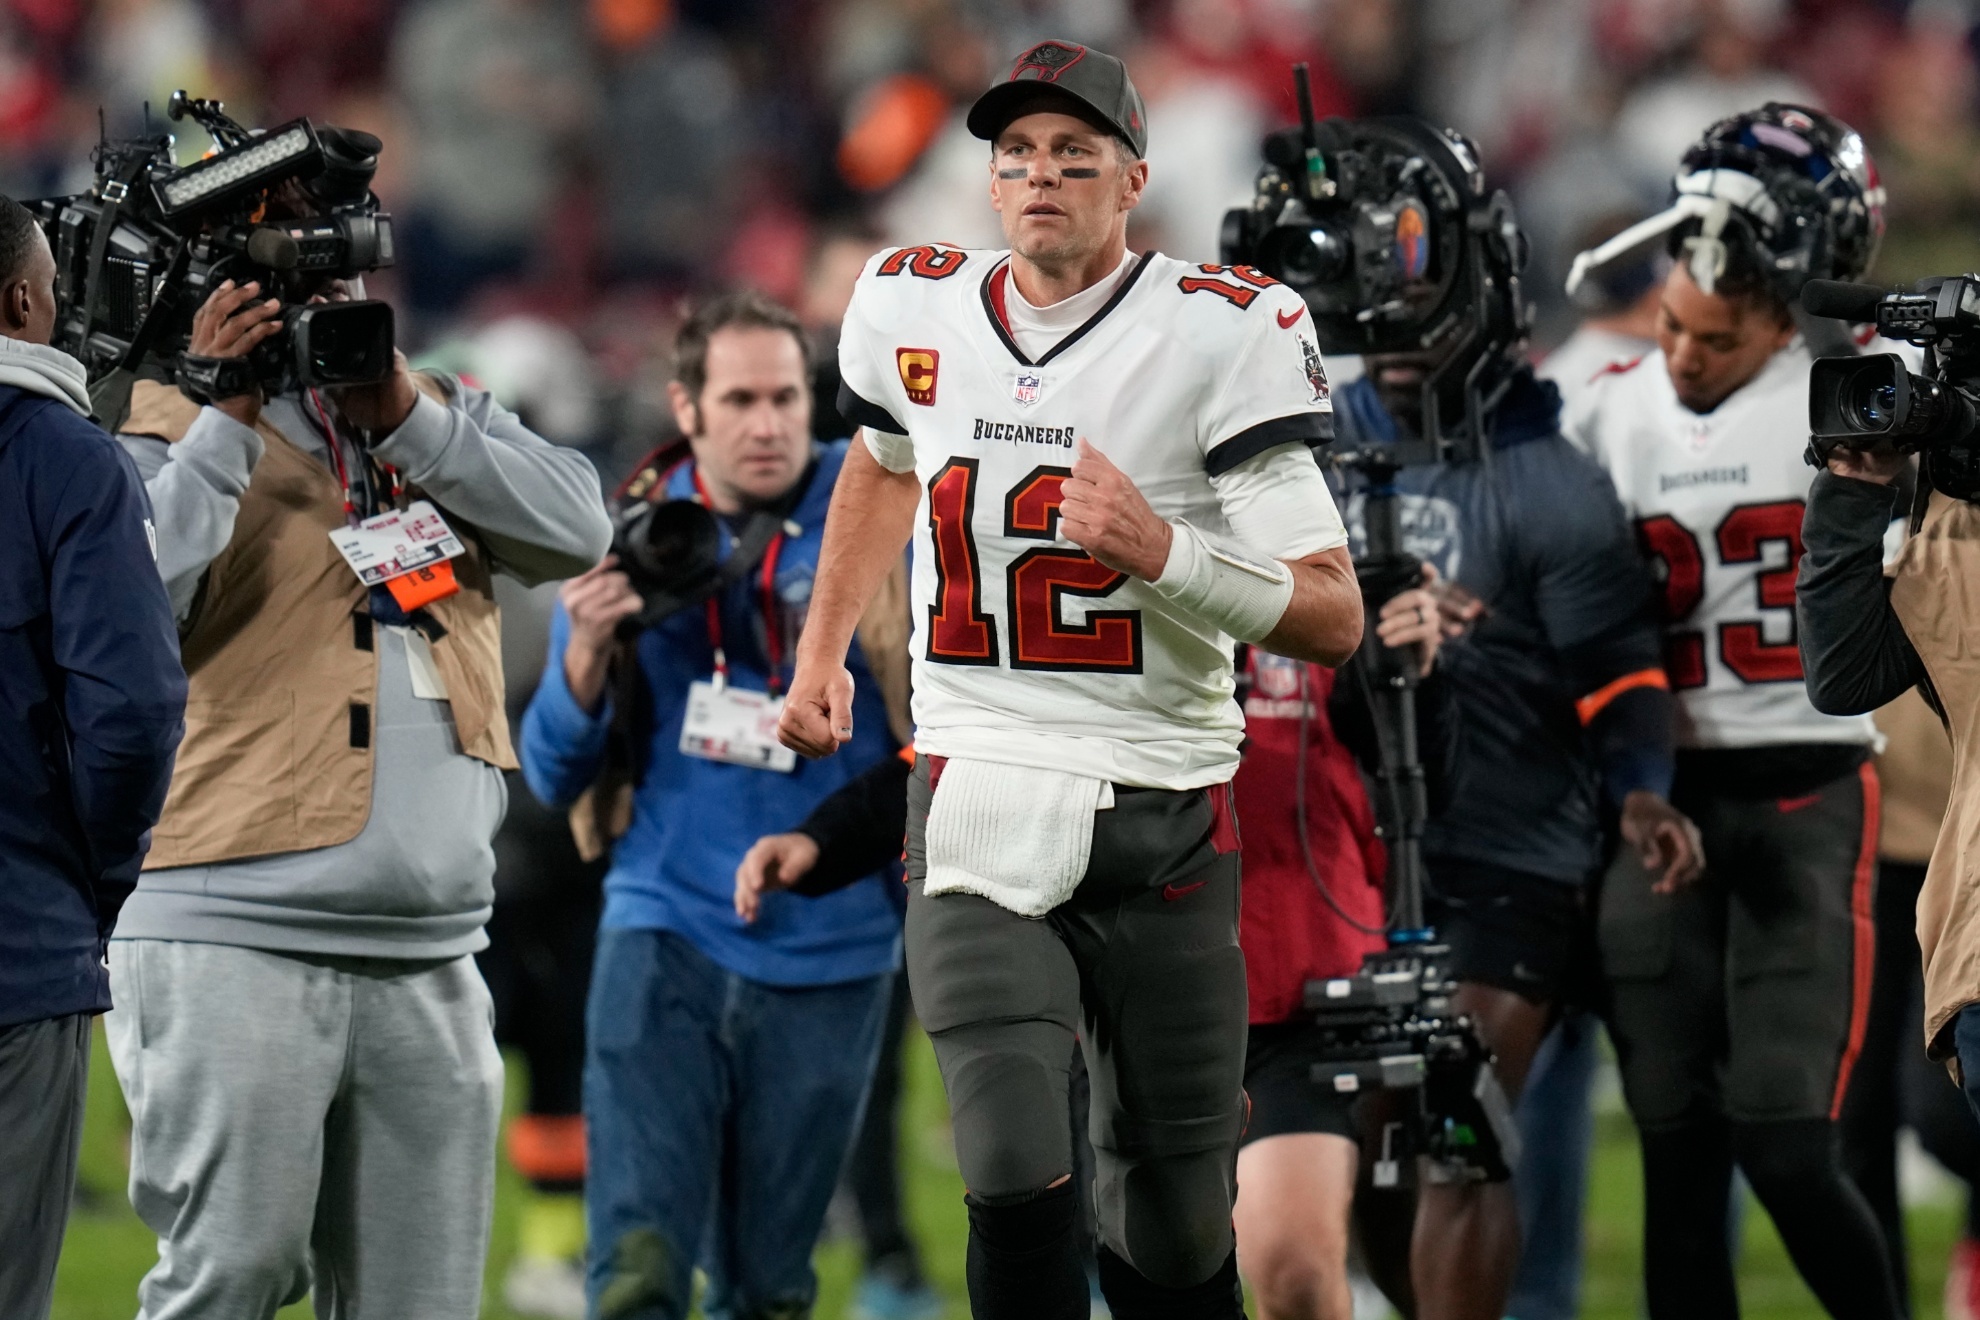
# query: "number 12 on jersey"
{"type": "Point", "coordinates": [1037, 581]}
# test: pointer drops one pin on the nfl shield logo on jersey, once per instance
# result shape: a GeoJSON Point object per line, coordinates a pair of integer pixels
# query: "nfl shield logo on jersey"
{"type": "Point", "coordinates": [1026, 389]}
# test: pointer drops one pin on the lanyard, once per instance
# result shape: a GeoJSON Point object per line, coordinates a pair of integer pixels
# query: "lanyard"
{"type": "Point", "coordinates": [336, 444]}
{"type": "Point", "coordinates": [773, 629]}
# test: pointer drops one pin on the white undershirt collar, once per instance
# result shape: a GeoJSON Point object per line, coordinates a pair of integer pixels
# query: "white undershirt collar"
{"type": "Point", "coordinates": [1037, 330]}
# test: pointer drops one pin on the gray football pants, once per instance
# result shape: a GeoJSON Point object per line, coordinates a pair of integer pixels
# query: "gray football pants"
{"type": "Point", "coordinates": [44, 1070]}
{"type": "Point", "coordinates": [302, 1121]}
{"type": "Point", "coordinates": [1746, 995]}
{"type": "Point", "coordinates": [1141, 969]}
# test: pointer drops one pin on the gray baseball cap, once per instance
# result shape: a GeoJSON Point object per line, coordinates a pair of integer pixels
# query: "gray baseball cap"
{"type": "Point", "coordinates": [1091, 83]}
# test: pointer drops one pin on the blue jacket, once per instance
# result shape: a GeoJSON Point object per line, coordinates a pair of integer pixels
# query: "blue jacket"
{"type": "Point", "coordinates": [92, 702]}
{"type": "Point", "coordinates": [1538, 534]}
{"type": "Point", "coordinates": [692, 818]}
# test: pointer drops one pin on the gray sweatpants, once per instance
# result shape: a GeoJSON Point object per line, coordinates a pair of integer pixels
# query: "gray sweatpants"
{"type": "Point", "coordinates": [300, 1120]}
{"type": "Point", "coordinates": [44, 1071]}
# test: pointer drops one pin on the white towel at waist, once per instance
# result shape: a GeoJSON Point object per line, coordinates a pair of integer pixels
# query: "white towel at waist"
{"type": "Point", "coordinates": [1016, 835]}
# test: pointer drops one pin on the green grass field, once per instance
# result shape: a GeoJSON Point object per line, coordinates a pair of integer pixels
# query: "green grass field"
{"type": "Point", "coordinates": [108, 1250]}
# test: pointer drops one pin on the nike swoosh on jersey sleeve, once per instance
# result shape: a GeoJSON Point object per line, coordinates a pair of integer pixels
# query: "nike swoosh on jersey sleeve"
{"type": "Point", "coordinates": [1305, 428]}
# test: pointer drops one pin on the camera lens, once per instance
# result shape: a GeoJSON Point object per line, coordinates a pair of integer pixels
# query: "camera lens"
{"type": "Point", "coordinates": [1303, 256]}
{"type": "Point", "coordinates": [1875, 405]}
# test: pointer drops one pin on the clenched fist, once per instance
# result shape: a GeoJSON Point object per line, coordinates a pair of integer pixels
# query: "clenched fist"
{"type": "Point", "coordinates": [1105, 515]}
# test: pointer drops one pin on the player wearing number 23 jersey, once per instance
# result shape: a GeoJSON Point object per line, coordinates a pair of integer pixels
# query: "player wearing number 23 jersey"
{"type": "Point", "coordinates": [1717, 500]}
{"type": "Point", "coordinates": [1739, 1005]}
{"type": "Point", "coordinates": [1202, 383]}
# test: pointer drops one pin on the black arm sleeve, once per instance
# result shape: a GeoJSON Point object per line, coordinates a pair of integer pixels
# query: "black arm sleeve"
{"type": "Point", "coordinates": [858, 829]}
{"type": "Point", "coordinates": [1853, 648]}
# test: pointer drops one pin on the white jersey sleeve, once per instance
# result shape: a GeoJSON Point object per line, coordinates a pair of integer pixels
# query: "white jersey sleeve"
{"type": "Point", "coordinates": [871, 393]}
{"type": "Point", "coordinates": [1274, 391]}
{"type": "Point", "coordinates": [1278, 503]}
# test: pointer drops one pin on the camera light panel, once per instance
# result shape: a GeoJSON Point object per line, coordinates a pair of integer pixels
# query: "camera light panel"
{"type": "Point", "coordinates": [279, 152]}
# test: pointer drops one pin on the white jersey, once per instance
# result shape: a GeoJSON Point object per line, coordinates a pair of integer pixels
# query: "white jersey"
{"type": "Point", "coordinates": [1584, 356]}
{"type": "Point", "coordinates": [1027, 651]}
{"type": "Point", "coordinates": [1717, 500]}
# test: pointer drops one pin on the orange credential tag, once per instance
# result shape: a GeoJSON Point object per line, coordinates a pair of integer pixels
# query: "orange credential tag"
{"type": "Point", "coordinates": [424, 585]}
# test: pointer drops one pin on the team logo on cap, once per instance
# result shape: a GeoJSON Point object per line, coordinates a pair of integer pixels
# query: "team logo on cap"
{"type": "Point", "coordinates": [917, 367]}
{"type": "Point", "coordinates": [1046, 61]}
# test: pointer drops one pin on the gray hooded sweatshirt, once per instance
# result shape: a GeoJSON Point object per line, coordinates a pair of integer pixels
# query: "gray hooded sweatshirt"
{"type": "Point", "coordinates": [418, 880]}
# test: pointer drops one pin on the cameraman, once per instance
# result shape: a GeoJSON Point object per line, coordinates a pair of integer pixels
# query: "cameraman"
{"type": "Point", "coordinates": [725, 1063]}
{"type": "Point", "coordinates": [302, 1036]}
{"type": "Point", "coordinates": [1868, 636]}
{"type": "Point", "coordinates": [1562, 711]}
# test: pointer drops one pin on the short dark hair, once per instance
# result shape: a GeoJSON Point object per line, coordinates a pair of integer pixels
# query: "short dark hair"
{"type": "Point", "coordinates": [17, 226]}
{"type": "Point", "coordinates": [742, 309]}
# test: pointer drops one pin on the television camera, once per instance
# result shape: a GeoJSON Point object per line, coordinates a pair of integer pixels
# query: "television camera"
{"type": "Point", "coordinates": [1875, 400]}
{"type": "Point", "coordinates": [1384, 228]}
{"type": "Point", "coordinates": [290, 207]}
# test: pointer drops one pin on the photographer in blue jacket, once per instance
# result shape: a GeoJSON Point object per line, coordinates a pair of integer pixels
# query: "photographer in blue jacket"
{"type": "Point", "coordinates": [726, 1063]}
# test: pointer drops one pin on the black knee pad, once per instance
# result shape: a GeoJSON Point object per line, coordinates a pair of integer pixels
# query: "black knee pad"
{"type": "Point", "coordinates": [1024, 1256]}
{"type": "Point", "coordinates": [1131, 1295]}
{"type": "Point", "coordinates": [1164, 1192]}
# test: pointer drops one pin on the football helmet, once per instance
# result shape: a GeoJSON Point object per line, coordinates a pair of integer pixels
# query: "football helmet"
{"type": "Point", "coordinates": [1793, 187]}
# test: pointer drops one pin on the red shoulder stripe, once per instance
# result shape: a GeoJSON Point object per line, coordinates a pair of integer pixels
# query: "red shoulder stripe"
{"type": "Point", "coordinates": [1617, 368]}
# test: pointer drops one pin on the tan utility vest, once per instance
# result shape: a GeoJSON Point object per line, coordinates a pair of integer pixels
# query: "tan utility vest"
{"type": "Point", "coordinates": [1936, 593]}
{"type": "Point", "coordinates": [283, 667]}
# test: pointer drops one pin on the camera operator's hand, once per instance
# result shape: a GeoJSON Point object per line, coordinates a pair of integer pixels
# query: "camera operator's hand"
{"type": "Point", "coordinates": [1415, 618]}
{"type": "Point", "coordinates": [1105, 515]}
{"type": "Point", "coordinates": [775, 861]}
{"type": "Point", "coordinates": [818, 710]}
{"type": "Point", "coordinates": [1879, 465]}
{"type": "Point", "coordinates": [378, 408]}
{"type": "Point", "coordinates": [228, 325]}
{"type": "Point", "coordinates": [596, 601]}
{"type": "Point", "coordinates": [1665, 838]}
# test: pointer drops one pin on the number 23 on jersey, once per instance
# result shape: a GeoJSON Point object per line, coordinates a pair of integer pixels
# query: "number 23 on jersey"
{"type": "Point", "coordinates": [1740, 538]}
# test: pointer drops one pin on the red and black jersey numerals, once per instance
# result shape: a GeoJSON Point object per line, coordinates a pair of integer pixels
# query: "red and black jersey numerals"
{"type": "Point", "coordinates": [1741, 538]}
{"type": "Point", "coordinates": [924, 262]}
{"type": "Point", "coordinates": [959, 633]}
{"type": "Point", "coordinates": [1241, 294]}
{"type": "Point", "coordinates": [1109, 640]}
{"type": "Point", "coordinates": [1665, 538]}
{"type": "Point", "coordinates": [1742, 534]}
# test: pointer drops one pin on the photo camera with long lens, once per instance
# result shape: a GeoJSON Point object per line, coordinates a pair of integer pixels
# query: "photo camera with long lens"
{"type": "Point", "coordinates": [1876, 401]}
{"type": "Point", "coordinates": [290, 207]}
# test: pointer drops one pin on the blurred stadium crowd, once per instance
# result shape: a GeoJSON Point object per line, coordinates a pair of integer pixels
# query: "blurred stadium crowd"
{"type": "Point", "coordinates": [564, 173]}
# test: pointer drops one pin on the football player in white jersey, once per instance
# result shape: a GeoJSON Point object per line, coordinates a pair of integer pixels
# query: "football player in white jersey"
{"type": "Point", "coordinates": [1739, 1004]}
{"type": "Point", "coordinates": [1103, 460]}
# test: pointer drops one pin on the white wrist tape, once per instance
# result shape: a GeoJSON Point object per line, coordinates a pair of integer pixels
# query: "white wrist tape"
{"type": "Point", "coordinates": [1223, 583]}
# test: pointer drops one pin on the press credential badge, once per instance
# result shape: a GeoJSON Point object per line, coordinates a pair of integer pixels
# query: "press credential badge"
{"type": "Point", "coordinates": [396, 542]}
{"type": "Point", "coordinates": [735, 725]}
